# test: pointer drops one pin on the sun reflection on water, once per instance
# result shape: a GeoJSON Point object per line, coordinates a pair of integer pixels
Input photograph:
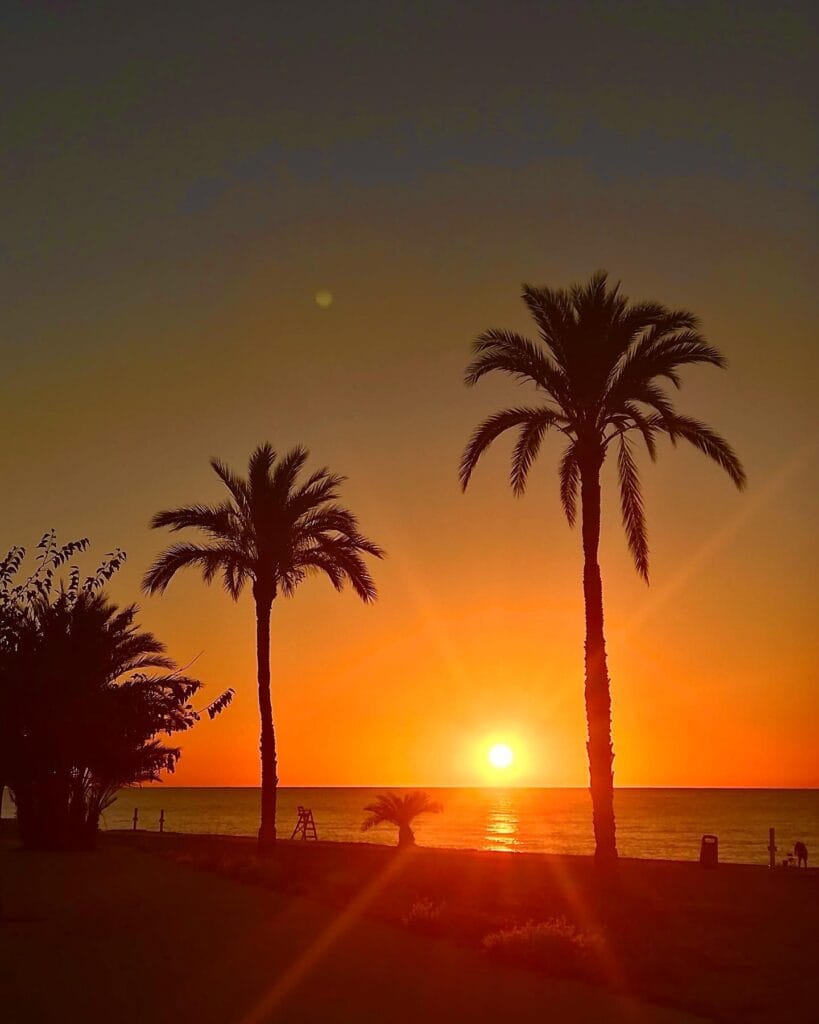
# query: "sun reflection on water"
{"type": "Point", "coordinates": [502, 823]}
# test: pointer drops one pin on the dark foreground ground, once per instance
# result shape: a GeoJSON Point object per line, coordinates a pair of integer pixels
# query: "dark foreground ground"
{"type": "Point", "coordinates": [172, 928]}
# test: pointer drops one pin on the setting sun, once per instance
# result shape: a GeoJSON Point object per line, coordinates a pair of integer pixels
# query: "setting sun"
{"type": "Point", "coordinates": [500, 755]}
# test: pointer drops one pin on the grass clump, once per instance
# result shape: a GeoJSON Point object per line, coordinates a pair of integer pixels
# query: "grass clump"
{"type": "Point", "coordinates": [555, 945]}
{"type": "Point", "coordinates": [423, 915]}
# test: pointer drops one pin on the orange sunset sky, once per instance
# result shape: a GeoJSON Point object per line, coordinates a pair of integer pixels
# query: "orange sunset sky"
{"type": "Point", "coordinates": [175, 198]}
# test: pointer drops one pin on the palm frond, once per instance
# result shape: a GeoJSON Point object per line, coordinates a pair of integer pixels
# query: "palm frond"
{"type": "Point", "coordinates": [708, 441]}
{"type": "Point", "coordinates": [182, 556]}
{"type": "Point", "coordinates": [490, 430]}
{"type": "Point", "coordinates": [551, 309]}
{"type": "Point", "coordinates": [631, 504]}
{"type": "Point", "coordinates": [642, 317]}
{"type": "Point", "coordinates": [569, 482]}
{"type": "Point", "coordinates": [660, 354]}
{"type": "Point", "coordinates": [643, 425]}
{"type": "Point", "coordinates": [141, 662]}
{"type": "Point", "coordinates": [339, 558]}
{"type": "Point", "coordinates": [320, 487]}
{"type": "Point", "coordinates": [653, 396]}
{"type": "Point", "coordinates": [259, 465]}
{"type": "Point", "coordinates": [324, 518]}
{"type": "Point", "coordinates": [508, 352]}
{"type": "Point", "coordinates": [287, 470]}
{"type": "Point", "coordinates": [235, 575]}
{"type": "Point", "coordinates": [217, 520]}
{"type": "Point", "coordinates": [234, 483]}
{"type": "Point", "coordinates": [527, 447]}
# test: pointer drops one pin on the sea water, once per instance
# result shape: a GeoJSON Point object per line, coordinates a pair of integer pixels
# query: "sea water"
{"type": "Point", "coordinates": [662, 823]}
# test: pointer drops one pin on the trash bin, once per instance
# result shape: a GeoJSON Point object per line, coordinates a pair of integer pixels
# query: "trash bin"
{"type": "Point", "coordinates": [709, 851]}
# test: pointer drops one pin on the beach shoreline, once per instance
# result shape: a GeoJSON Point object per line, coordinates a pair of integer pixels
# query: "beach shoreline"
{"type": "Point", "coordinates": [248, 842]}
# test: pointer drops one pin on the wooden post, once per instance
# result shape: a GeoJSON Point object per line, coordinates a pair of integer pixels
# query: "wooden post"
{"type": "Point", "coordinates": [772, 846]}
{"type": "Point", "coordinates": [136, 817]}
{"type": "Point", "coordinates": [161, 821]}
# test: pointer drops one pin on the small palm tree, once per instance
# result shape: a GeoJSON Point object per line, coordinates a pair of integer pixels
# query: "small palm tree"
{"type": "Point", "coordinates": [271, 533]}
{"type": "Point", "coordinates": [401, 811]}
{"type": "Point", "coordinates": [598, 368]}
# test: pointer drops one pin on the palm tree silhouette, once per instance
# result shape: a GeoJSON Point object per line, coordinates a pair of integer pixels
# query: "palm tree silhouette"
{"type": "Point", "coordinates": [401, 811]}
{"type": "Point", "coordinates": [272, 532]}
{"type": "Point", "coordinates": [598, 365]}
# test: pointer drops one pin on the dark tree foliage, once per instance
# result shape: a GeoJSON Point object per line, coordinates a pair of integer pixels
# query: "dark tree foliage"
{"type": "Point", "coordinates": [598, 370]}
{"type": "Point", "coordinates": [84, 695]}
{"type": "Point", "coordinates": [275, 528]}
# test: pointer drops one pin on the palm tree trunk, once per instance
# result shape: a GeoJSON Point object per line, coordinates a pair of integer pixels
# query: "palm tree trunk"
{"type": "Point", "coordinates": [267, 742]}
{"type": "Point", "coordinates": [598, 694]}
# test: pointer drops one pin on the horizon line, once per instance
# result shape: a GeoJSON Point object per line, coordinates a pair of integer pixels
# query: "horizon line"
{"type": "Point", "coordinates": [387, 785]}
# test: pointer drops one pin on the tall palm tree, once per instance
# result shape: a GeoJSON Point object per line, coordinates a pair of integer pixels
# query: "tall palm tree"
{"type": "Point", "coordinates": [401, 811]}
{"type": "Point", "coordinates": [598, 368]}
{"type": "Point", "coordinates": [272, 532]}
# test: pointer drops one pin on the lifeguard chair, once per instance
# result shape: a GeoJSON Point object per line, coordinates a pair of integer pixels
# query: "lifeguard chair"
{"type": "Point", "coordinates": [305, 825]}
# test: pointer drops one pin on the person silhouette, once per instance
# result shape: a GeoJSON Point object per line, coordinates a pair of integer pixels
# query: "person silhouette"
{"type": "Point", "coordinates": [801, 853]}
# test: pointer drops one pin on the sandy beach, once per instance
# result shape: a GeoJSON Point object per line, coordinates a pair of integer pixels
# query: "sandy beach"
{"type": "Point", "coordinates": [197, 928]}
